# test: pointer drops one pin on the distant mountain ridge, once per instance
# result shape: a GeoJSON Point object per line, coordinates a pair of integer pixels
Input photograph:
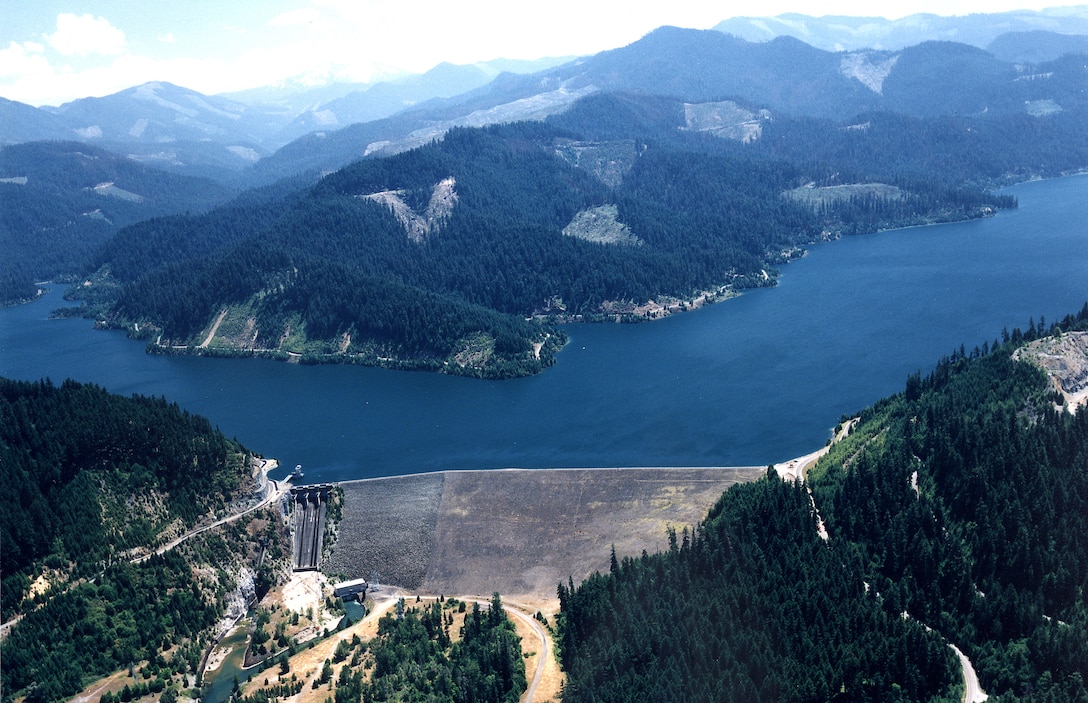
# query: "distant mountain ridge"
{"type": "Point", "coordinates": [381, 100]}
{"type": "Point", "coordinates": [841, 33]}
{"type": "Point", "coordinates": [179, 129]}
{"type": "Point", "coordinates": [224, 136]}
{"type": "Point", "coordinates": [170, 127]}
{"type": "Point", "coordinates": [784, 75]}
{"type": "Point", "coordinates": [1036, 46]}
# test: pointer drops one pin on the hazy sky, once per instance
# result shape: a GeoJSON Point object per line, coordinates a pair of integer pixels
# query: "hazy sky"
{"type": "Point", "coordinates": [53, 51]}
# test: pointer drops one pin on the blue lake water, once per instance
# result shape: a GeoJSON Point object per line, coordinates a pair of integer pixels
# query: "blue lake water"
{"type": "Point", "coordinates": [751, 381]}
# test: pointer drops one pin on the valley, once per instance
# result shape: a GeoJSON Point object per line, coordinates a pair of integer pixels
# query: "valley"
{"type": "Point", "coordinates": [835, 203]}
{"type": "Point", "coordinates": [518, 533]}
{"type": "Point", "coordinates": [426, 239]}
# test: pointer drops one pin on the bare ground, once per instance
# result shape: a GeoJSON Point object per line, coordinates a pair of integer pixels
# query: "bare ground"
{"type": "Point", "coordinates": [1065, 360]}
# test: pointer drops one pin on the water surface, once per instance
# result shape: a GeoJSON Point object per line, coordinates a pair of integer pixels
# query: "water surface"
{"type": "Point", "coordinates": [751, 381]}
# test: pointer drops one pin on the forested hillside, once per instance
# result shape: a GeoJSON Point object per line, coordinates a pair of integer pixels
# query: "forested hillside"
{"type": "Point", "coordinates": [968, 496]}
{"type": "Point", "coordinates": [94, 481]}
{"type": "Point", "coordinates": [959, 505]}
{"type": "Point", "coordinates": [693, 164]}
{"type": "Point", "coordinates": [92, 475]}
{"type": "Point", "coordinates": [362, 268]}
{"type": "Point", "coordinates": [59, 201]}
{"type": "Point", "coordinates": [753, 607]}
{"type": "Point", "coordinates": [416, 659]}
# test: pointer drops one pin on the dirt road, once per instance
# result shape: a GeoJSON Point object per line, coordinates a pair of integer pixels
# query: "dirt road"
{"type": "Point", "coordinates": [541, 633]}
{"type": "Point", "coordinates": [213, 330]}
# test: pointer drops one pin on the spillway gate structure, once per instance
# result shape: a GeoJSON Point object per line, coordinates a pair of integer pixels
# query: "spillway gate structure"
{"type": "Point", "coordinates": [308, 528]}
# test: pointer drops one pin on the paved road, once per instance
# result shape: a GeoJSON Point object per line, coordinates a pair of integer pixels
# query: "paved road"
{"type": "Point", "coordinates": [278, 489]}
{"type": "Point", "coordinates": [797, 468]}
{"type": "Point", "coordinates": [972, 692]}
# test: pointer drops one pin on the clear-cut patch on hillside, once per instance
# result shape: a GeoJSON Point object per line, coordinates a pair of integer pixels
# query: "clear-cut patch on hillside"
{"type": "Point", "coordinates": [532, 108]}
{"type": "Point", "coordinates": [870, 69]}
{"type": "Point", "coordinates": [1041, 108]}
{"type": "Point", "coordinates": [814, 196]}
{"type": "Point", "coordinates": [419, 226]}
{"type": "Point", "coordinates": [608, 161]}
{"type": "Point", "coordinates": [245, 152]}
{"type": "Point", "coordinates": [1064, 357]}
{"type": "Point", "coordinates": [725, 120]}
{"type": "Point", "coordinates": [601, 226]}
{"type": "Point", "coordinates": [113, 191]}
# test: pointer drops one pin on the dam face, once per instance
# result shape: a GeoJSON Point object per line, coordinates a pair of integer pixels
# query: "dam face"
{"type": "Point", "coordinates": [308, 525]}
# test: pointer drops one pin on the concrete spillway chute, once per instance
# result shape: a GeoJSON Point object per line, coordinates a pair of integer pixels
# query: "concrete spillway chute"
{"type": "Point", "coordinates": [308, 524]}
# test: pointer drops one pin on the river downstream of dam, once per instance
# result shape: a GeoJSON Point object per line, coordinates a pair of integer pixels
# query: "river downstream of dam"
{"type": "Point", "coordinates": [750, 381]}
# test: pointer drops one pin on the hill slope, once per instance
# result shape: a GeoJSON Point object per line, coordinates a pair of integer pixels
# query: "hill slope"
{"type": "Point", "coordinates": [681, 168]}
{"type": "Point", "coordinates": [623, 205]}
{"type": "Point", "coordinates": [96, 482]}
{"type": "Point", "coordinates": [59, 201]}
{"type": "Point", "coordinates": [75, 460]}
{"type": "Point", "coordinates": [958, 505]}
{"type": "Point", "coordinates": [783, 75]}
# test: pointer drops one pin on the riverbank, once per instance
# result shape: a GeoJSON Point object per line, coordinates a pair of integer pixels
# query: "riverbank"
{"type": "Point", "coordinates": [657, 308]}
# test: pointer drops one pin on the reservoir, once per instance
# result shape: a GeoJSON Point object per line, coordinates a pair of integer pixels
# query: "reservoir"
{"type": "Point", "coordinates": [750, 381]}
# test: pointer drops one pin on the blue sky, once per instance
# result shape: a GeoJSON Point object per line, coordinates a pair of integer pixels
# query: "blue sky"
{"type": "Point", "coordinates": [53, 51]}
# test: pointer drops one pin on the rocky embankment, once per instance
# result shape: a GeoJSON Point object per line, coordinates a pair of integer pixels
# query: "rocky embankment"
{"type": "Point", "coordinates": [519, 532]}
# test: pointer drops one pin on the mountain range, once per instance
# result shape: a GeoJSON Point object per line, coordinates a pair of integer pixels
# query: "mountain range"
{"type": "Point", "coordinates": [180, 129]}
{"type": "Point", "coordinates": [841, 33]}
{"type": "Point", "coordinates": [629, 184]}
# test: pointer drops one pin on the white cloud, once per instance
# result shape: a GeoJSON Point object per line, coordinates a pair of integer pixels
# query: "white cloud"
{"type": "Point", "coordinates": [23, 60]}
{"type": "Point", "coordinates": [168, 38]}
{"type": "Point", "coordinates": [79, 35]}
{"type": "Point", "coordinates": [294, 18]}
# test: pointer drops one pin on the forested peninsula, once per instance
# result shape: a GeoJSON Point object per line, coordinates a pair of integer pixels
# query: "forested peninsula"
{"type": "Point", "coordinates": [456, 235]}
{"type": "Point", "coordinates": [459, 256]}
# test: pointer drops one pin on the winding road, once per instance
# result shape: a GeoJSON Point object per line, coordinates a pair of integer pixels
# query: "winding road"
{"type": "Point", "coordinates": [271, 495]}
{"type": "Point", "coordinates": [796, 469]}
{"type": "Point", "coordinates": [972, 690]}
{"type": "Point", "coordinates": [277, 489]}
